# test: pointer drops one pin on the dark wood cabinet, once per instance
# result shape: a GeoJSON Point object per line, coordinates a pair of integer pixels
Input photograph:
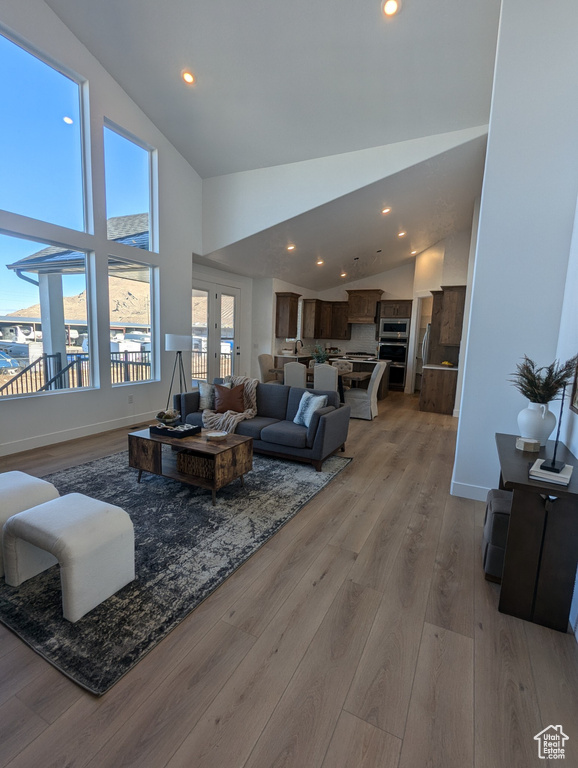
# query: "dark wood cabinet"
{"type": "Point", "coordinates": [363, 306]}
{"type": "Point", "coordinates": [286, 315]}
{"type": "Point", "coordinates": [446, 324]}
{"type": "Point", "coordinates": [438, 390]}
{"type": "Point", "coordinates": [340, 327]}
{"type": "Point", "coordinates": [395, 308]}
{"type": "Point", "coordinates": [316, 319]}
{"type": "Point", "coordinates": [452, 315]}
{"type": "Point", "coordinates": [325, 319]}
{"type": "Point", "coordinates": [542, 545]}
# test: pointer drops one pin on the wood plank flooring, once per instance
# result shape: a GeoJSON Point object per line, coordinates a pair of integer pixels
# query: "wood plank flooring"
{"type": "Point", "coordinates": [363, 635]}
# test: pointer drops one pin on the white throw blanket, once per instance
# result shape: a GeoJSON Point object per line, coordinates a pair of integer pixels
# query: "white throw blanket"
{"type": "Point", "coordinates": [227, 422]}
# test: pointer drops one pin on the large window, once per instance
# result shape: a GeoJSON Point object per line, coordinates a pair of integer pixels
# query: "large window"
{"type": "Point", "coordinates": [48, 300]}
{"type": "Point", "coordinates": [128, 189]}
{"type": "Point", "coordinates": [129, 296]}
{"type": "Point", "coordinates": [44, 326]}
{"type": "Point", "coordinates": [41, 170]}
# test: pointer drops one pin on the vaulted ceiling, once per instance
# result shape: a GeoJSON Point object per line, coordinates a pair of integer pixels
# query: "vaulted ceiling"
{"type": "Point", "coordinates": [283, 82]}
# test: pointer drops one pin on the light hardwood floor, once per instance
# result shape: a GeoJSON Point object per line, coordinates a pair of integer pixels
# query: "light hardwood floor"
{"type": "Point", "coordinates": [363, 635]}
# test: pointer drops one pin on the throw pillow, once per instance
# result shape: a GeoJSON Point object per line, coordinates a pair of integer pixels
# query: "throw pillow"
{"type": "Point", "coordinates": [308, 405]}
{"type": "Point", "coordinates": [206, 396]}
{"type": "Point", "coordinates": [229, 399]}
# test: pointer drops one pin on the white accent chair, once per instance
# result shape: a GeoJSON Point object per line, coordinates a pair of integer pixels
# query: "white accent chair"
{"type": "Point", "coordinates": [91, 540]}
{"type": "Point", "coordinates": [295, 375]}
{"type": "Point", "coordinates": [19, 491]}
{"type": "Point", "coordinates": [266, 366]}
{"type": "Point", "coordinates": [325, 377]}
{"type": "Point", "coordinates": [363, 402]}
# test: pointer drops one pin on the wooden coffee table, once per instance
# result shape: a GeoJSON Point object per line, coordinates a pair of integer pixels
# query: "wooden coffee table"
{"type": "Point", "coordinates": [193, 460]}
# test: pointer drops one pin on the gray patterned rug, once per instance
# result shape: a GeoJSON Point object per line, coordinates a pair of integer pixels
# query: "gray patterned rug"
{"type": "Point", "coordinates": [185, 548]}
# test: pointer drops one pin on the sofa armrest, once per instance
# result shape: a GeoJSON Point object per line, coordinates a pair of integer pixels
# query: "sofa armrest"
{"type": "Point", "coordinates": [331, 432]}
{"type": "Point", "coordinates": [186, 403]}
{"type": "Point", "coordinates": [314, 423]}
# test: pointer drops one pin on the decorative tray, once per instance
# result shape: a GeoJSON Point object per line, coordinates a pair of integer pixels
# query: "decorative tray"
{"type": "Point", "coordinates": [179, 430]}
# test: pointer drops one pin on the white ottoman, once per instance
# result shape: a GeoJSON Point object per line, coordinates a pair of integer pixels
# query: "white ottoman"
{"type": "Point", "coordinates": [93, 541]}
{"type": "Point", "coordinates": [19, 491]}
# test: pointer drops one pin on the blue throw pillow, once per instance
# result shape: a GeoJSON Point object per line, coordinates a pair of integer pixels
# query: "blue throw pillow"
{"type": "Point", "coordinates": [307, 407]}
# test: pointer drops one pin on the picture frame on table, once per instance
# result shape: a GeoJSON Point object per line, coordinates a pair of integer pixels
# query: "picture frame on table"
{"type": "Point", "coordinates": [574, 395]}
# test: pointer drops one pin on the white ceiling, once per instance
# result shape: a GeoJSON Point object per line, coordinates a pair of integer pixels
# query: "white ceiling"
{"type": "Point", "coordinates": [280, 82]}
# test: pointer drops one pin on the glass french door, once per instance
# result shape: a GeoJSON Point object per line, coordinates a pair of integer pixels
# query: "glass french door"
{"type": "Point", "coordinates": [215, 331]}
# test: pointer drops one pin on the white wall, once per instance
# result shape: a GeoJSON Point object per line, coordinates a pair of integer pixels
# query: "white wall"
{"type": "Point", "coordinates": [29, 422]}
{"type": "Point", "coordinates": [429, 265]}
{"type": "Point", "coordinates": [526, 220]}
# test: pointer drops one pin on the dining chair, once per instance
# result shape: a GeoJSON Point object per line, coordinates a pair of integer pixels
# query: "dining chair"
{"type": "Point", "coordinates": [295, 374]}
{"type": "Point", "coordinates": [266, 368]}
{"type": "Point", "coordinates": [363, 402]}
{"type": "Point", "coordinates": [325, 377]}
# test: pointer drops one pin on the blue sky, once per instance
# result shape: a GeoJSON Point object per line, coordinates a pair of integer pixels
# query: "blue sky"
{"type": "Point", "coordinates": [41, 163]}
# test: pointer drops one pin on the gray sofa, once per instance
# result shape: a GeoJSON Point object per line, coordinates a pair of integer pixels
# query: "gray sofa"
{"type": "Point", "coordinates": [273, 430]}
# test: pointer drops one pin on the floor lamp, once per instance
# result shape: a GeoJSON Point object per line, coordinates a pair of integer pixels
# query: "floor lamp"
{"type": "Point", "coordinates": [176, 343]}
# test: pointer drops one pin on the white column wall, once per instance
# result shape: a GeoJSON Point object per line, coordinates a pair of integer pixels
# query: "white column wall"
{"type": "Point", "coordinates": [526, 220]}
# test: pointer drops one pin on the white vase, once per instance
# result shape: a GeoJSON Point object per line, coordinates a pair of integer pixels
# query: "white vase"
{"type": "Point", "coordinates": [536, 421]}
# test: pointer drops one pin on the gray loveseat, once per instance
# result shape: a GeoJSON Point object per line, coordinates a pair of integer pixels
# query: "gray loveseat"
{"type": "Point", "coordinates": [273, 430]}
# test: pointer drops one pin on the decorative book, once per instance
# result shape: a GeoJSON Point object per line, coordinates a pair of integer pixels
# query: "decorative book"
{"type": "Point", "coordinates": [559, 478]}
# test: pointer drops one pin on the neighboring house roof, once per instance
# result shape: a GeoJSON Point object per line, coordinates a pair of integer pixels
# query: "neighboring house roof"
{"type": "Point", "coordinates": [130, 230]}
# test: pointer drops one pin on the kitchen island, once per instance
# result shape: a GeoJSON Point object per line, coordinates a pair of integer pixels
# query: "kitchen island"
{"type": "Point", "coordinates": [438, 388]}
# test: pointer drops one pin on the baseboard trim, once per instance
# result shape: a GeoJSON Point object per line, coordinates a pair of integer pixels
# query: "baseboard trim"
{"type": "Point", "coordinates": [466, 491]}
{"type": "Point", "coordinates": [62, 436]}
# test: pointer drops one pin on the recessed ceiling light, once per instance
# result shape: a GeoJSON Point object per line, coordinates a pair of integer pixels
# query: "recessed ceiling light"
{"type": "Point", "coordinates": [391, 7]}
{"type": "Point", "coordinates": [413, 253]}
{"type": "Point", "coordinates": [290, 247]}
{"type": "Point", "coordinates": [401, 234]}
{"type": "Point", "coordinates": [320, 261]}
{"type": "Point", "coordinates": [68, 120]}
{"type": "Point", "coordinates": [343, 274]}
{"type": "Point", "coordinates": [188, 77]}
{"type": "Point", "coordinates": [386, 210]}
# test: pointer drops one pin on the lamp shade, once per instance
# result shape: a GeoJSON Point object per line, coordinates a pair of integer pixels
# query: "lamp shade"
{"type": "Point", "coordinates": [176, 343]}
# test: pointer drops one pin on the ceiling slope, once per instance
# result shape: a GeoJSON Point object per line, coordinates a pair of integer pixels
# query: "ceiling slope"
{"type": "Point", "coordinates": [281, 82]}
{"type": "Point", "coordinates": [430, 201]}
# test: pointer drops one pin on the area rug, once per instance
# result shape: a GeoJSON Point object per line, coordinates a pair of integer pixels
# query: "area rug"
{"type": "Point", "coordinates": [185, 548]}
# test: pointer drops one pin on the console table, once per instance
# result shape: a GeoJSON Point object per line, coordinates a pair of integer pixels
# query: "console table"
{"type": "Point", "coordinates": [542, 547]}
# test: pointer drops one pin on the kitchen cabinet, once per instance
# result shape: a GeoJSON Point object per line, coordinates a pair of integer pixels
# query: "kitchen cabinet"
{"type": "Point", "coordinates": [325, 319]}
{"type": "Point", "coordinates": [363, 306]}
{"type": "Point", "coordinates": [317, 316]}
{"type": "Point", "coordinates": [452, 315]}
{"type": "Point", "coordinates": [395, 308]}
{"type": "Point", "coordinates": [438, 389]}
{"type": "Point", "coordinates": [340, 327]}
{"type": "Point", "coordinates": [286, 310]}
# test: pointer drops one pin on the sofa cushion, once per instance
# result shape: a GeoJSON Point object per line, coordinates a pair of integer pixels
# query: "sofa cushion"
{"type": "Point", "coordinates": [196, 419]}
{"type": "Point", "coordinates": [285, 433]}
{"type": "Point", "coordinates": [272, 401]}
{"type": "Point", "coordinates": [229, 398]}
{"type": "Point", "coordinates": [308, 404]}
{"type": "Point", "coordinates": [252, 427]}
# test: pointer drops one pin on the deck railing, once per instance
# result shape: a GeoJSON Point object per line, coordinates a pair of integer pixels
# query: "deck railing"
{"type": "Point", "coordinates": [47, 373]}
